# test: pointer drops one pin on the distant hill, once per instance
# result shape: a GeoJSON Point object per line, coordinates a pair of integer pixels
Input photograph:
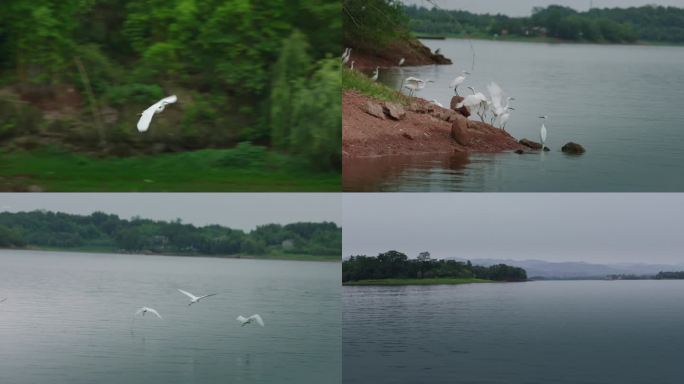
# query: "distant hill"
{"type": "Point", "coordinates": [574, 270]}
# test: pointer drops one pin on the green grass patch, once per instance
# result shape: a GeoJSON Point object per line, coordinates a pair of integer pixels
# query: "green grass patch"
{"type": "Point", "coordinates": [208, 170]}
{"type": "Point", "coordinates": [357, 81]}
{"type": "Point", "coordinates": [435, 281]}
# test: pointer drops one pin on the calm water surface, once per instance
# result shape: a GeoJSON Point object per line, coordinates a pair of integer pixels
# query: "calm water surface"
{"type": "Point", "coordinates": [69, 319]}
{"type": "Point", "coordinates": [574, 332]}
{"type": "Point", "coordinates": [622, 103]}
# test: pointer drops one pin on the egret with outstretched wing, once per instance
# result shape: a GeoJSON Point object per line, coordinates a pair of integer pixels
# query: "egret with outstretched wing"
{"type": "Point", "coordinates": [158, 107]}
{"type": "Point", "coordinates": [142, 311]}
{"type": "Point", "coordinates": [248, 320]}
{"type": "Point", "coordinates": [194, 299]}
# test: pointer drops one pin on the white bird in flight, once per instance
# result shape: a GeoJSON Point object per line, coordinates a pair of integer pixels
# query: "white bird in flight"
{"type": "Point", "coordinates": [248, 320]}
{"type": "Point", "coordinates": [194, 299]}
{"type": "Point", "coordinates": [376, 74]}
{"type": "Point", "coordinates": [158, 107]}
{"type": "Point", "coordinates": [498, 108]}
{"type": "Point", "coordinates": [542, 132]}
{"type": "Point", "coordinates": [458, 81]}
{"type": "Point", "coordinates": [144, 310]}
{"type": "Point", "coordinates": [477, 102]}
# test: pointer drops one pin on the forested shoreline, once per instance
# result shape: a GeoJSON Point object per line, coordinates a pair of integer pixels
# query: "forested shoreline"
{"type": "Point", "coordinates": [75, 75]}
{"type": "Point", "coordinates": [650, 23]}
{"type": "Point", "coordinates": [109, 233]}
{"type": "Point", "coordinates": [397, 265]}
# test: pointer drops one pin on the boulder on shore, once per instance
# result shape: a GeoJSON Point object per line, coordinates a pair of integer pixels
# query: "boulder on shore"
{"type": "Point", "coordinates": [463, 110]}
{"type": "Point", "coordinates": [394, 110]}
{"type": "Point", "coordinates": [530, 144]}
{"type": "Point", "coordinates": [375, 109]}
{"type": "Point", "coordinates": [459, 130]}
{"type": "Point", "coordinates": [573, 148]}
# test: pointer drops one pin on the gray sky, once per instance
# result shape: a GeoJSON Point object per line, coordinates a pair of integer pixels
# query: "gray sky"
{"type": "Point", "coordinates": [524, 7]}
{"type": "Point", "coordinates": [235, 210]}
{"type": "Point", "coordinates": [599, 228]}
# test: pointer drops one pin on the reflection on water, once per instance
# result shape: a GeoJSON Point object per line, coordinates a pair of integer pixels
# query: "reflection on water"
{"type": "Point", "coordinates": [620, 102]}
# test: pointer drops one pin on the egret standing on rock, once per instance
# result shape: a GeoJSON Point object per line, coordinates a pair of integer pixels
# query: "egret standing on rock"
{"type": "Point", "coordinates": [194, 299]}
{"type": "Point", "coordinates": [144, 310]}
{"type": "Point", "coordinates": [248, 320]}
{"type": "Point", "coordinates": [376, 74]}
{"type": "Point", "coordinates": [158, 107]}
{"type": "Point", "coordinates": [542, 132]}
{"type": "Point", "coordinates": [458, 81]}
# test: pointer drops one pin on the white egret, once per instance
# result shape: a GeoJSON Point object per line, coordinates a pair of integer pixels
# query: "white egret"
{"type": "Point", "coordinates": [248, 320]}
{"type": "Point", "coordinates": [458, 81]}
{"type": "Point", "coordinates": [346, 55]}
{"type": "Point", "coordinates": [542, 132]}
{"type": "Point", "coordinates": [415, 84]}
{"type": "Point", "coordinates": [503, 119]}
{"type": "Point", "coordinates": [402, 61]}
{"type": "Point", "coordinates": [437, 103]}
{"type": "Point", "coordinates": [158, 107]}
{"type": "Point", "coordinates": [352, 65]}
{"type": "Point", "coordinates": [194, 299]}
{"type": "Point", "coordinates": [376, 74]}
{"type": "Point", "coordinates": [498, 108]}
{"type": "Point", "coordinates": [477, 102]}
{"type": "Point", "coordinates": [142, 311]}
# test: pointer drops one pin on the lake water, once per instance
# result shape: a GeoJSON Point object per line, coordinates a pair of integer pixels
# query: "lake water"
{"type": "Point", "coordinates": [574, 332]}
{"type": "Point", "coordinates": [69, 319]}
{"type": "Point", "coordinates": [622, 103]}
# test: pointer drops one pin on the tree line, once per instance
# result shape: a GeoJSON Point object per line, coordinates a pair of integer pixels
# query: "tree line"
{"type": "Point", "coordinates": [397, 265]}
{"type": "Point", "coordinates": [679, 275]}
{"type": "Point", "coordinates": [108, 232]}
{"type": "Point", "coordinates": [648, 23]}
{"type": "Point", "coordinates": [81, 71]}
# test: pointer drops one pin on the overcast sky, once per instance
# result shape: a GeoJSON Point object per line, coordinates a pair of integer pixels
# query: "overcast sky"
{"type": "Point", "coordinates": [524, 7]}
{"type": "Point", "coordinates": [235, 210]}
{"type": "Point", "coordinates": [599, 228]}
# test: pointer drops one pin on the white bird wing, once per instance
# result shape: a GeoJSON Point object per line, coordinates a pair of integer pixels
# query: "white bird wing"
{"type": "Point", "coordinates": [154, 311]}
{"type": "Point", "coordinates": [202, 297]}
{"type": "Point", "coordinates": [146, 118]}
{"type": "Point", "coordinates": [168, 100]}
{"type": "Point", "coordinates": [258, 319]}
{"type": "Point", "coordinates": [496, 93]}
{"type": "Point", "coordinates": [241, 319]}
{"type": "Point", "coordinates": [188, 294]}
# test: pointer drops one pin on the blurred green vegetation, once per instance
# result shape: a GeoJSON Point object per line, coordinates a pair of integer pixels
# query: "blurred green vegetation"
{"type": "Point", "coordinates": [106, 232]}
{"type": "Point", "coordinates": [648, 23]}
{"type": "Point", "coordinates": [244, 71]}
{"type": "Point", "coordinates": [358, 82]}
{"type": "Point", "coordinates": [371, 25]}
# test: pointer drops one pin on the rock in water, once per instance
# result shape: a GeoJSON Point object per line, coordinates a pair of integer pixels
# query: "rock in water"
{"type": "Point", "coordinates": [573, 148]}
{"type": "Point", "coordinates": [519, 151]}
{"type": "Point", "coordinates": [394, 110]}
{"type": "Point", "coordinates": [463, 110]}
{"type": "Point", "coordinates": [375, 109]}
{"type": "Point", "coordinates": [459, 130]}
{"type": "Point", "coordinates": [530, 144]}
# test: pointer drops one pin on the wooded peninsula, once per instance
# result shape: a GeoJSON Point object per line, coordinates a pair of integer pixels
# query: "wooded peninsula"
{"type": "Point", "coordinates": [101, 232]}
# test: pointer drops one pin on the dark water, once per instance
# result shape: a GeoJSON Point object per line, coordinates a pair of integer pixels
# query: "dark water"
{"type": "Point", "coordinates": [69, 319]}
{"type": "Point", "coordinates": [622, 103]}
{"type": "Point", "coordinates": [574, 332]}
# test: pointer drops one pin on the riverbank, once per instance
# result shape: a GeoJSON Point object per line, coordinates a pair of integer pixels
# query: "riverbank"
{"type": "Point", "coordinates": [110, 251]}
{"type": "Point", "coordinates": [412, 51]}
{"type": "Point", "coordinates": [542, 40]}
{"type": "Point", "coordinates": [423, 128]}
{"type": "Point", "coordinates": [398, 282]}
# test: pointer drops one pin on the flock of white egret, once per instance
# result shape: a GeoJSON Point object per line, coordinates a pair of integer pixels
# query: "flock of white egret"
{"type": "Point", "coordinates": [496, 108]}
{"type": "Point", "coordinates": [196, 299]}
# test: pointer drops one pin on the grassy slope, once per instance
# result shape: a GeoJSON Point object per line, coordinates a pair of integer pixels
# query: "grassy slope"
{"type": "Point", "coordinates": [270, 256]}
{"type": "Point", "coordinates": [188, 171]}
{"type": "Point", "coordinates": [357, 81]}
{"type": "Point", "coordinates": [435, 281]}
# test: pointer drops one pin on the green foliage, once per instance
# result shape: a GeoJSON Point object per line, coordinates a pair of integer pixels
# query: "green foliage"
{"type": "Point", "coordinates": [358, 82]}
{"type": "Point", "coordinates": [613, 25]}
{"type": "Point", "coordinates": [245, 155]}
{"type": "Point", "coordinates": [396, 265]}
{"type": "Point", "coordinates": [17, 117]}
{"type": "Point", "coordinates": [109, 232]}
{"type": "Point", "coordinates": [373, 23]}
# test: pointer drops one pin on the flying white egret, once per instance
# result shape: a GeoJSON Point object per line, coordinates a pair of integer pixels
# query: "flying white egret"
{"type": "Point", "coordinates": [542, 131]}
{"type": "Point", "coordinates": [437, 103]}
{"type": "Point", "coordinates": [402, 61]}
{"type": "Point", "coordinates": [157, 107]}
{"type": "Point", "coordinates": [477, 102]}
{"type": "Point", "coordinates": [194, 299]}
{"type": "Point", "coordinates": [458, 81]}
{"type": "Point", "coordinates": [415, 84]}
{"type": "Point", "coordinates": [248, 320]}
{"type": "Point", "coordinates": [144, 310]}
{"type": "Point", "coordinates": [498, 108]}
{"type": "Point", "coordinates": [376, 74]}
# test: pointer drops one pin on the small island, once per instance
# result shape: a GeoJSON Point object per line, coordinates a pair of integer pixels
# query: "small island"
{"type": "Point", "coordinates": [395, 268]}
